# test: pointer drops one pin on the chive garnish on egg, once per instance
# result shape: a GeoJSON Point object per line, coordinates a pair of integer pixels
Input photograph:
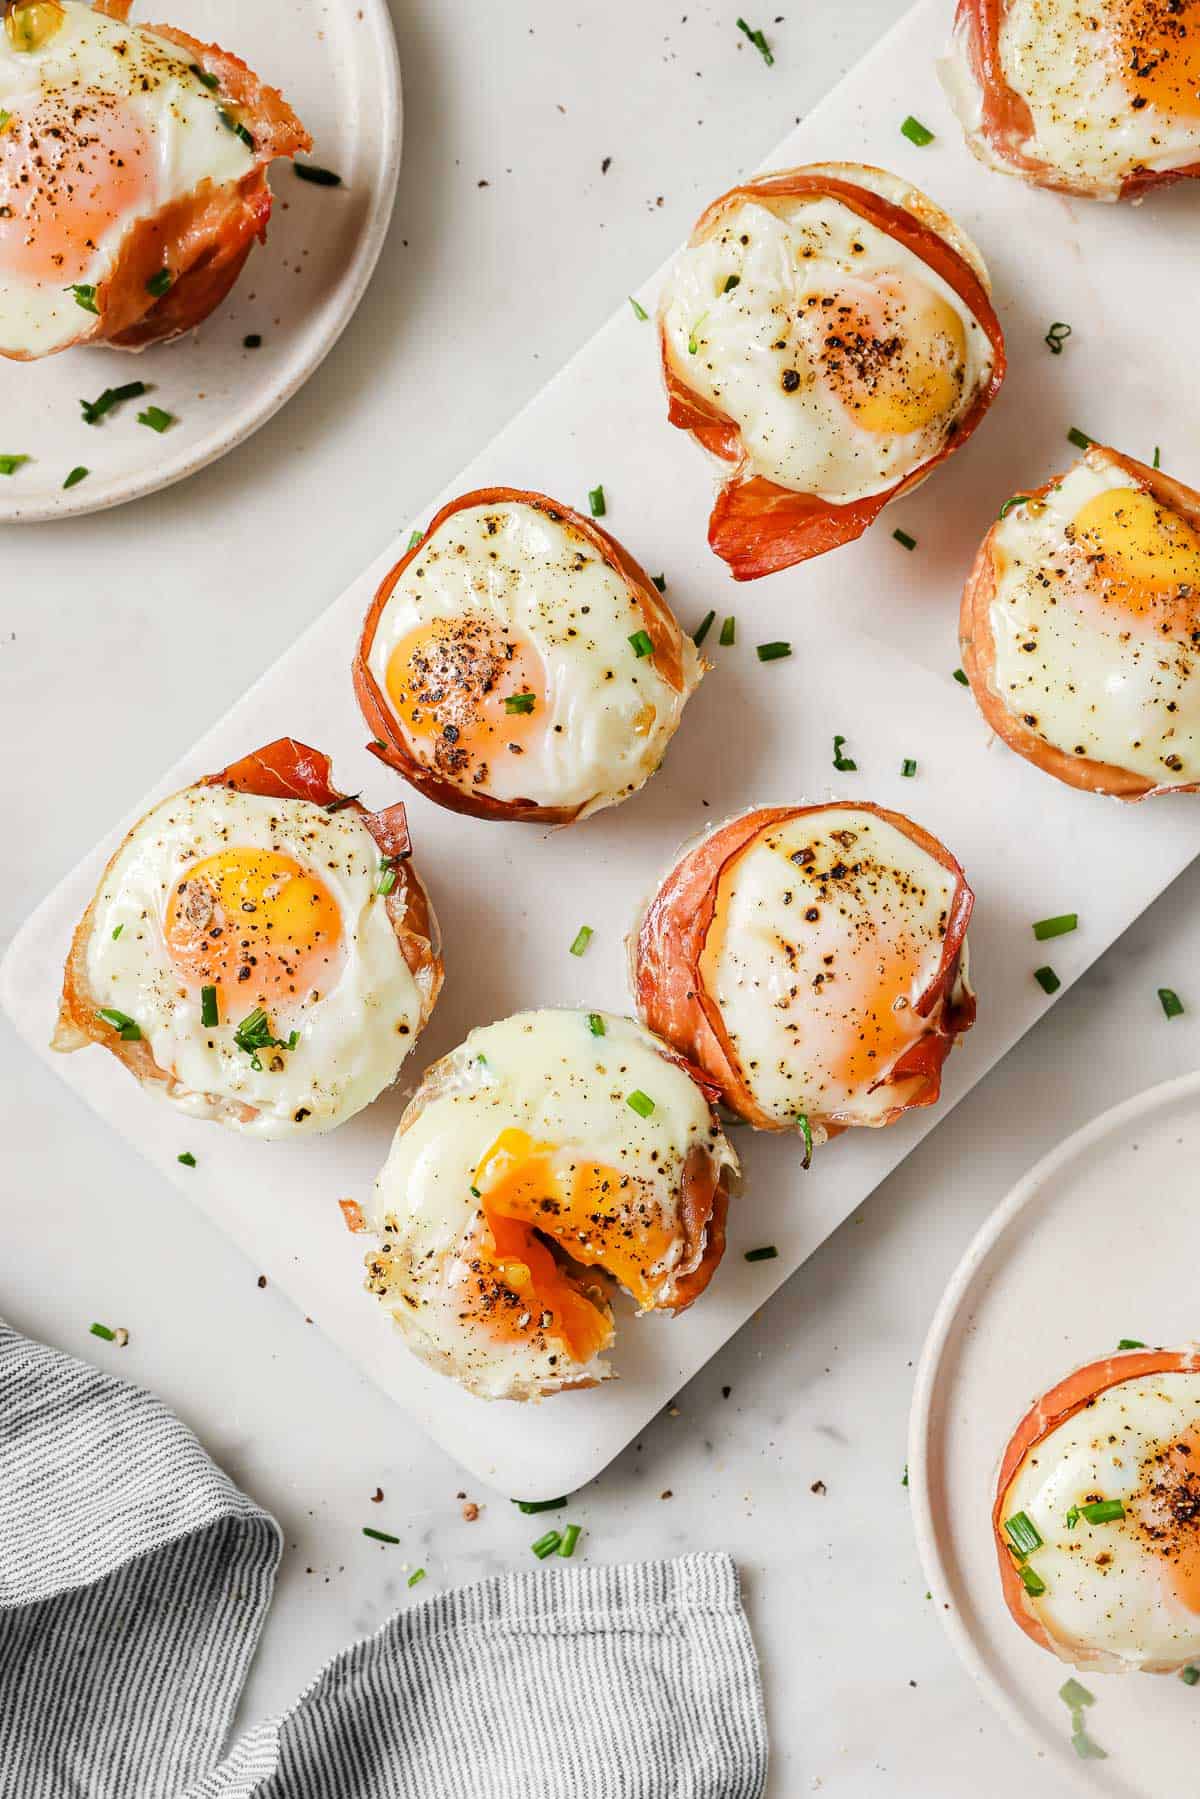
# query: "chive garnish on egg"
{"type": "Point", "coordinates": [642, 644]}
{"type": "Point", "coordinates": [235, 125]}
{"type": "Point", "coordinates": [596, 1024]}
{"type": "Point", "coordinates": [127, 1028]}
{"type": "Point", "coordinates": [203, 75]}
{"type": "Point", "coordinates": [387, 879]}
{"type": "Point", "coordinates": [1102, 1511]}
{"type": "Point", "coordinates": [159, 284]}
{"type": "Point", "coordinates": [1022, 1533]}
{"type": "Point", "coordinates": [640, 1102]}
{"type": "Point", "coordinates": [519, 702]}
{"type": "Point", "coordinates": [805, 1129]}
{"type": "Point", "coordinates": [208, 1008]}
{"type": "Point", "coordinates": [85, 296]}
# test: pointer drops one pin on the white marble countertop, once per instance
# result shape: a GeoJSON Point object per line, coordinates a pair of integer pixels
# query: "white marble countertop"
{"type": "Point", "coordinates": [123, 635]}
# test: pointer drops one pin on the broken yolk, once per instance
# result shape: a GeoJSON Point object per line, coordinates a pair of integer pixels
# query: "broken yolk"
{"type": "Point", "coordinates": [1142, 557]}
{"type": "Point", "coordinates": [72, 168]}
{"type": "Point", "coordinates": [596, 1215]}
{"type": "Point", "coordinates": [256, 925]}
{"type": "Point", "coordinates": [1158, 48]}
{"type": "Point", "coordinates": [465, 688]}
{"type": "Point", "coordinates": [894, 354]}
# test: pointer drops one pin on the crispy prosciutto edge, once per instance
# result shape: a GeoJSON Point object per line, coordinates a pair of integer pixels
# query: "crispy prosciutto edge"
{"type": "Point", "coordinates": [1006, 122]}
{"type": "Point", "coordinates": [673, 1001]}
{"type": "Point", "coordinates": [204, 236]}
{"type": "Point", "coordinates": [758, 526]}
{"type": "Point", "coordinates": [389, 742]}
{"type": "Point", "coordinates": [1053, 1409]}
{"type": "Point", "coordinates": [978, 646]}
{"type": "Point", "coordinates": [288, 770]}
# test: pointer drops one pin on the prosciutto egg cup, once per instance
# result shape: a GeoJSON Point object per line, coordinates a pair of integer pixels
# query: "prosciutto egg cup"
{"type": "Point", "coordinates": [811, 961]}
{"type": "Point", "coordinates": [550, 1158]}
{"type": "Point", "coordinates": [1097, 1514]}
{"type": "Point", "coordinates": [133, 176]}
{"type": "Point", "coordinates": [1080, 628]}
{"type": "Point", "coordinates": [1100, 99]}
{"type": "Point", "coordinates": [828, 336]}
{"type": "Point", "coordinates": [518, 663]}
{"type": "Point", "coordinates": [259, 950]}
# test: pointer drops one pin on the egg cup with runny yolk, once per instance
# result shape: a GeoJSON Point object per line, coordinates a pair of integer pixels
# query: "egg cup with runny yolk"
{"type": "Point", "coordinates": [132, 176]}
{"type": "Point", "coordinates": [1101, 99]}
{"type": "Point", "coordinates": [1080, 628]}
{"type": "Point", "coordinates": [553, 1158]}
{"type": "Point", "coordinates": [260, 949]}
{"type": "Point", "coordinates": [827, 334]}
{"type": "Point", "coordinates": [811, 961]}
{"type": "Point", "coordinates": [517, 663]}
{"type": "Point", "coordinates": [1097, 1515]}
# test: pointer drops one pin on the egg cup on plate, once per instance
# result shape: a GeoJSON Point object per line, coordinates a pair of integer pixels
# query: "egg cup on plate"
{"type": "Point", "coordinates": [260, 949]}
{"type": "Point", "coordinates": [1100, 99]}
{"type": "Point", "coordinates": [1097, 1514]}
{"type": "Point", "coordinates": [517, 663]}
{"type": "Point", "coordinates": [1080, 627]}
{"type": "Point", "coordinates": [828, 336]}
{"type": "Point", "coordinates": [133, 176]}
{"type": "Point", "coordinates": [812, 962]}
{"type": "Point", "coordinates": [552, 1156]}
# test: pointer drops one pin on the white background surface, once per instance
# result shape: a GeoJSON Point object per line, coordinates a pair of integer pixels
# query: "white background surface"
{"type": "Point", "coordinates": [123, 636]}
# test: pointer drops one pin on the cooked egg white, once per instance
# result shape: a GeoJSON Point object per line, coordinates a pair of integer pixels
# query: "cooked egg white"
{"type": "Point", "coordinates": [503, 604]}
{"type": "Point", "coordinates": [1127, 1591]}
{"type": "Point", "coordinates": [845, 361]}
{"type": "Point", "coordinates": [273, 903]}
{"type": "Point", "coordinates": [103, 124]}
{"type": "Point", "coordinates": [1095, 621]}
{"type": "Point", "coordinates": [526, 1132]}
{"type": "Point", "coordinates": [825, 933]}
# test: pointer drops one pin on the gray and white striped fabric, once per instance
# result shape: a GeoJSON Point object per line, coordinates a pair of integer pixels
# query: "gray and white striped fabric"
{"type": "Point", "coordinates": [135, 1578]}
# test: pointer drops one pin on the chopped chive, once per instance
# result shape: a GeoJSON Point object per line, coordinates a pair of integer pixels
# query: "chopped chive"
{"type": "Point", "coordinates": [416, 1577]}
{"type": "Point", "coordinates": [759, 41]}
{"type": "Point", "coordinates": [519, 702]}
{"type": "Point", "coordinates": [1170, 1002]}
{"type": "Point", "coordinates": [1079, 438]}
{"type": "Point", "coordinates": [773, 652]}
{"type": "Point", "coordinates": [156, 418]}
{"type": "Point", "coordinates": [203, 75]}
{"type": "Point", "coordinates": [546, 1545]}
{"type": "Point", "coordinates": [597, 504]}
{"type": "Point", "coordinates": [1131, 1343]}
{"type": "Point", "coordinates": [1074, 1694]}
{"type": "Point", "coordinates": [187, 1158]}
{"type": "Point", "coordinates": [252, 340]}
{"type": "Point", "coordinates": [126, 1027]}
{"type": "Point", "coordinates": [94, 410]}
{"type": "Point", "coordinates": [1031, 1580]}
{"type": "Point", "coordinates": [311, 171]}
{"type": "Point", "coordinates": [236, 126]}
{"type": "Point", "coordinates": [805, 1130]}
{"type": "Point", "coordinates": [415, 537]}
{"type": "Point", "coordinates": [961, 678]}
{"type": "Point", "coordinates": [908, 768]}
{"type": "Point", "coordinates": [728, 633]}
{"type": "Point", "coordinates": [10, 464]}
{"type": "Point", "coordinates": [583, 937]}
{"type": "Point", "coordinates": [767, 1253]}
{"type": "Point", "coordinates": [254, 1034]}
{"type": "Point", "coordinates": [693, 340]}
{"type": "Point", "coordinates": [642, 645]}
{"type": "Point", "coordinates": [1156, 464]}
{"type": "Point", "coordinates": [596, 1024]}
{"type": "Point", "coordinates": [641, 1102]}
{"type": "Point", "coordinates": [85, 296]}
{"type": "Point", "coordinates": [703, 628]}
{"type": "Point", "coordinates": [209, 1016]}
{"type": "Point", "coordinates": [1056, 927]}
{"type": "Point", "coordinates": [1085, 1748]}
{"type": "Point", "coordinates": [160, 283]}
{"type": "Point", "coordinates": [843, 763]}
{"type": "Point", "coordinates": [569, 1539]}
{"type": "Point", "coordinates": [1057, 336]}
{"type": "Point", "coordinates": [1018, 499]}
{"type": "Point", "coordinates": [539, 1505]}
{"type": "Point", "coordinates": [5, 118]}
{"type": "Point", "coordinates": [902, 537]}
{"type": "Point", "coordinates": [1102, 1511]}
{"type": "Point", "coordinates": [102, 1330]}
{"type": "Point", "coordinates": [379, 1536]}
{"type": "Point", "coordinates": [1046, 979]}
{"type": "Point", "coordinates": [1072, 1517]}
{"type": "Point", "coordinates": [904, 1482]}
{"type": "Point", "coordinates": [915, 132]}
{"type": "Point", "coordinates": [1022, 1533]}
{"type": "Point", "coordinates": [387, 879]}
{"type": "Point", "coordinates": [117, 929]}
{"type": "Point", "coordinates": [731, 281]}
{"type": "Point", "coordinates": [639, 311]}
{"type": "Point", "coordinates": [1189, 1676]}
{"type": "Point", "coordinates": [77, 474]}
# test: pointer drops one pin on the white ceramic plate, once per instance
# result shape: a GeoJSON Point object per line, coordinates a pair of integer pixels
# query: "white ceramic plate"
{"type": "Point", "coordinates": [1101, 1241]}
{"type": "Point", "coordinates": [337, 65]}
{"type": "Point", "coordinates": [874, 635]}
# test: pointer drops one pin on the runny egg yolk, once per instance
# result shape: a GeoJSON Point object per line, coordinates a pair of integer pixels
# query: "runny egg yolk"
{"type": "Point", "coordinates": [466, 688]}
{"type": "Point", "coordinates": [257, 926]}
{"type": "Point", "coordinates": [1141, 557]}
{"type": "Point", "coordinates": [1165, 1513]}
{"type": "Point", "coordinates": [1158, 50]}
{"type": "Point", "coordinates": [893, 352]}
{"type": "Point", "coordinates": [72, 166]}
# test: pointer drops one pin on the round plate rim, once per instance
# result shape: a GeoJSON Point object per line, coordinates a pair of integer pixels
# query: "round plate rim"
{"type": "Point", "coordinates": [1028, 1190]}
{"type": "Point", "coordinates": [79, 501]}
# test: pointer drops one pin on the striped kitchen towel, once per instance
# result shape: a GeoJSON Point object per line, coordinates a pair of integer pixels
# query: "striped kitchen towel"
{"type": "Point", "coordinates": [135, 1578]}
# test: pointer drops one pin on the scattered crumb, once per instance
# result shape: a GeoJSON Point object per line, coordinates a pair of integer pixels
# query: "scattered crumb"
{"type": "Point", "coordinates": [818, 1486]}
{"type": "Point", "coordinates": [725, 1392]}
{"type": "Point", "coordinates": [666, 1493]}
{"type": "Point", "coordinates": [120, 1338]}
{"type": "Point", "coordinates": [483, 184]}
{"type": "Point", "coordinates": [672, 1411]}
{"type": "Point", "coordinates": [606, 165]}
{"type": "Point", "coordinates": [262, 1280]}
{"type": "Point", "coordinates": [377, 1496]}
{"type": "Point", "coordinates": [470, 1511]}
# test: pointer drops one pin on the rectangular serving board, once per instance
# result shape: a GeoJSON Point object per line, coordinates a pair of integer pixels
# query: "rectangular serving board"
{"type": "Point", "coordinates": [873, 630]}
